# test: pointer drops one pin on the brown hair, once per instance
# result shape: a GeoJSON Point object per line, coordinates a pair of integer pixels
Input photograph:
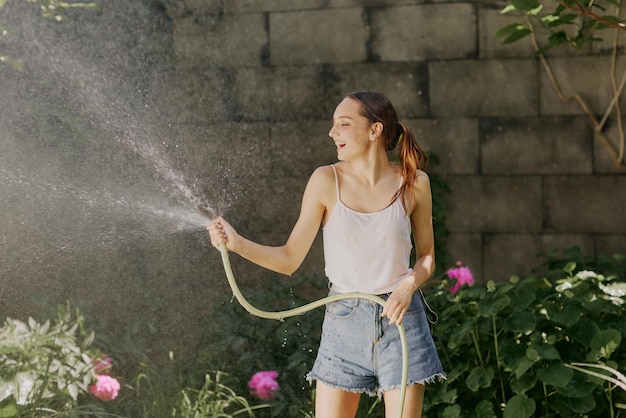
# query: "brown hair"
{"type": "Point", "coordinates": [376, 107]}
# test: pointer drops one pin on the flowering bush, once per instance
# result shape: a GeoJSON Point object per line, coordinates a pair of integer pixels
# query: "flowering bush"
{"type": "Point", "coordinates": [514, 349]}
{"type": "Point", "coordinates": [263, 385]}
{"type": "Point", "coordinates": [46, 366]}
{"type": "Point", "coordinates": [463, 276]}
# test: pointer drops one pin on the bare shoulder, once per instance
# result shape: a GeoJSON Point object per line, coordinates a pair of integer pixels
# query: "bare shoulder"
{"type": "Point", "coordinates": [322, 176]}
{"type": "Point", "coordinates": [322, 183]}
{"type": "Point", "coordinates": [421, 183]}
{"type": "Point", "coordinates": [420, 197]}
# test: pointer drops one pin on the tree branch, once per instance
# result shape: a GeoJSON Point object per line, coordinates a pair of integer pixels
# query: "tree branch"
{"type": "Point", "coordinates": [597, 127]}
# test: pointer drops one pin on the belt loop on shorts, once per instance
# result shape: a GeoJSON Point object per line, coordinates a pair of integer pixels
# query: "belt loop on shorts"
{"type": "Point", "coordinates": [432, 316]}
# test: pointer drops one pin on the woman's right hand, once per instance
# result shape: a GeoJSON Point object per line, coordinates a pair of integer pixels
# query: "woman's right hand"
{"type": "Point", "coordinates": [220, 232]}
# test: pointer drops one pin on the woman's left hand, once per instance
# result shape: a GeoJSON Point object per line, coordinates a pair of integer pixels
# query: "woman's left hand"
{"type": "Point", "coordinates": [398, 303]}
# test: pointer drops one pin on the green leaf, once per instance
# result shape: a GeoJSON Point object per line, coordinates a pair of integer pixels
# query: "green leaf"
{"type": "Point", "coordinates": [520, 322]}
{"type": "Point", "coordinates": [516, 36]}
{"type": "Point", "coordinates": [457, 371]}
{"type": "Point", "coordinates": [519, 406]}
{"type": "Point", "coordinates": [566, 315]}
{"type": "Point", "coordinates": [556, 374]}
{"type": "Point", "coordinates": [579, 406]}
{"type": "Point", "coordinates": [524, 383]}
{"type": "Point", "coordinates": [507, 9]}
{"type": "Point", "coordinates": [479, 377]}
{"type": "Point", "coordinates": [491, 305]}
{"type": "Point", "coordinates": [602, 306]}
{"type": "Point", "coordinates": [472, 292]}
{"type": "Point", "coordinates": [10, 349]}
{"type": "Point", "coordinates": [522, 300]}
{"type": "Point", "coordinates": [532, 354]}
{"type": "Point", "coordinates": [550, 19]}
{"type": "Point", "coordinates": [525, 5]}
{"type": "Point", "coordinates": [604, 343]}
{"type": "Point", "coordinates": [614, 19]}
{"type": "Point", "coordinates": [547, 352]}
{"type": "Point", "coordinates": [566, 19]}
{"type": "Point", "coordinates": [583, 331]}
{"type": "Point", "coordinates": [9, 410]}
{"type": "Point", "coordinates": [447, 395]}
{"type": "Point", "coordinates": [453, 411]}
{"type": "Point", "coordinates": [569, 267]}
{"type": "Point", "coordinates": [484, 409]}
{"type": "Point", "coordinates": [509, 29]}
{"type": "Point", "coordinates": [522, 366]}
{"type": "Point", "coordinates": [459, 335]}
{"type": "Point", "coordinates": [577, 389]}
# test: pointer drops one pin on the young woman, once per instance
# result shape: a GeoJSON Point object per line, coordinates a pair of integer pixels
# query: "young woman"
{"type": "Point", "coordinates": [368, 207]}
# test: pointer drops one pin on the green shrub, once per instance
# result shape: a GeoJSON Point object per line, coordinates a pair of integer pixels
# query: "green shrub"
{"type": "Point", "coordinates": [50, 370]}
{"type": "Point", "coordinates": [509, 347]}
{"type": "Point", "coordinates": [46, 369]}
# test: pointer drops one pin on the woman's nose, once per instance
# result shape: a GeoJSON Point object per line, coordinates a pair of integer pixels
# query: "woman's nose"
{"type": "Point", "coordinates": [331, 133]}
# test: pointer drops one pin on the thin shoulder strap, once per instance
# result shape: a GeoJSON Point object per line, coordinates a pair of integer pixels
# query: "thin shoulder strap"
{"type": "Point", "coordinates": [336, 180]}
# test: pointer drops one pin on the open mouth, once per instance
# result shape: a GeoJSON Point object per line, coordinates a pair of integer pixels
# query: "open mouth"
{"type": "Point", "coordinates": [340, 145]}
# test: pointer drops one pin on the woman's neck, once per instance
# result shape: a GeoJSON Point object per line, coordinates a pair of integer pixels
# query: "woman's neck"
{"type": "Point", "coordinates": [370, 170]}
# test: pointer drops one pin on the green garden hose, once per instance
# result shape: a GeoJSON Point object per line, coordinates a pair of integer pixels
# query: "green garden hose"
{"type": "Point", "coordinates": [310, 306]}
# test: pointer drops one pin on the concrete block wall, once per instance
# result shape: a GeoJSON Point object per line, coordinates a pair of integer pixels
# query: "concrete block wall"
{"type": "Point", "coordinates": [525, 171]}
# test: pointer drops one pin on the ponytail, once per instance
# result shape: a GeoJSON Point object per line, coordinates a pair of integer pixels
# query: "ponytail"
{"type": "Point", "coordinates": [412, 158]}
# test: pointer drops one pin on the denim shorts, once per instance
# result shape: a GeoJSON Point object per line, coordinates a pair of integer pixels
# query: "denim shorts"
{"type": "Point", "coordinates": [361, 352]}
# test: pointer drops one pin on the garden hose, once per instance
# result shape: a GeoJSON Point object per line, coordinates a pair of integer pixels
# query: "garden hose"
{"type": "Point", "coordinates": [280, 315]}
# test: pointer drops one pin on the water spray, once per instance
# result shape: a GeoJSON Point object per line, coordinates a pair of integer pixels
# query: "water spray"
{"type": "Point", "coordinates": [281, 315]}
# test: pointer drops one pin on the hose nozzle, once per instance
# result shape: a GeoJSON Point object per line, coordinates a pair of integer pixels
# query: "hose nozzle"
{"type": "Point", "coordinates": [207, 213]}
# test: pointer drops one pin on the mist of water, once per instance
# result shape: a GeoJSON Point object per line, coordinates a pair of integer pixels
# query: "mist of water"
{"type": "Point", "coordinates": [131, 173]}
{"type": "Point", "coordinates": [98, 188]}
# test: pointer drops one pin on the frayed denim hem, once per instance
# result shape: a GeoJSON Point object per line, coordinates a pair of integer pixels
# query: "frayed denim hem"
{"type": "Point", "coordinates": [368, 391]}
{"type": "Point", "coordinates": [436, 378]}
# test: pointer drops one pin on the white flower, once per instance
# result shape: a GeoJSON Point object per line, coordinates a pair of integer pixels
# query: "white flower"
{"type": "Point", "coordinates": [563, 287]}
{"type": "Point", "coordinates": [586, 274]}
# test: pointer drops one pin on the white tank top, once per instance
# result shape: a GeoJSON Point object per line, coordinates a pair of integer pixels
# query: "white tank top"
{"type": "Point", "coordinates": [367, 252]}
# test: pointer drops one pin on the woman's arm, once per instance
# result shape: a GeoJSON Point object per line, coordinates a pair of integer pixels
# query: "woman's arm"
{"type": "Point", "coordinates": [422, 225]}
{"type": "Point", "coordinates": [287, 258]}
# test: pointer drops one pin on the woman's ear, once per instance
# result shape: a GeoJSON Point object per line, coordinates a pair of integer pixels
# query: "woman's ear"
{"type": "Point", "coordinates": [376, 130]}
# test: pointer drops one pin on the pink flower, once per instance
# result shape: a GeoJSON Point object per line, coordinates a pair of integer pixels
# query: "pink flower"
{"type": "Point", "coordinates": [106, 387]}
{"type": "Point", "coordinates": [264, 385]}
{"type": "Point", "coordinates": [463, 275]}
{"type": "Point", "coordinates": [102, 364]}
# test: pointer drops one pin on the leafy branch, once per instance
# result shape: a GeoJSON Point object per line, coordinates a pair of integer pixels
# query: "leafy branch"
{"type": "Point", "coordinates": [582, 21]}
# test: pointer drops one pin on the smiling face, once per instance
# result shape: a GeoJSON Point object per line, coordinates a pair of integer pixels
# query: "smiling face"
{"type": "Point", "coordinates": [351, 132]}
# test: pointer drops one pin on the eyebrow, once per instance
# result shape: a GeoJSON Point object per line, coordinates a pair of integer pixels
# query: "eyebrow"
{"type": "Point", "coordinates": [342, 117]}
